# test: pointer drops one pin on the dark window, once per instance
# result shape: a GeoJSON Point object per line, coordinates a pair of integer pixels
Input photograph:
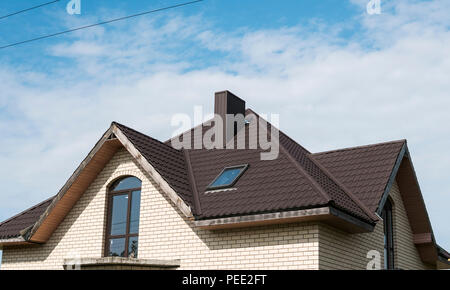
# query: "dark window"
{"type": "Point", "coordinates": [228, 177]}
{"type": "Point", "coordinates": [388, 236]}
{"type": "Point", "coordinates": [123, 218]}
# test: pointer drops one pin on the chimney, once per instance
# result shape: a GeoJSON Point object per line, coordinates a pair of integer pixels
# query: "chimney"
{"type": "Point", "coordinates": [227, 103]}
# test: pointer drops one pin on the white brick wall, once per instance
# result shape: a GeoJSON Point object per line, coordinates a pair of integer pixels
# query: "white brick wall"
{"type": "Point", "coordinates": [338, 250]}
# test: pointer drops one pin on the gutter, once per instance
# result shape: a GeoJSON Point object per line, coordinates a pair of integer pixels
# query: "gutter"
{"type": "Point", "coordinates": [327, 214]}
{"type": "Point", "coordinates": [12, 241]}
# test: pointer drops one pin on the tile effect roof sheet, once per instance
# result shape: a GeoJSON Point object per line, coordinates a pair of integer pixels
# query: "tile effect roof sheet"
{"type": "Point", "coordinates": [11, 227]}
{"type": "Point", "coordinates": [169, 162]}
{"type": "Point", "coordinates": [364, 170]}
{"type": "Point", "coordinates": [337, 194]}
{"type": "Point", "coordinates": [276, 185]}
{"type": "Point", "coordinates": [297, 179]}
{"type": "Point", "coordinates": [266, 186]}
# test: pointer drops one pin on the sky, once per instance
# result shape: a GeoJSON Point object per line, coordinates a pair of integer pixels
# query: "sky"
{"type": "Point", "coordinates": [337, 76]}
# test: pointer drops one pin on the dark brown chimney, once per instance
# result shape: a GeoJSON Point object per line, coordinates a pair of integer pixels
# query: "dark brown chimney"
{"type": "Point", "coordinates": [227, 103]}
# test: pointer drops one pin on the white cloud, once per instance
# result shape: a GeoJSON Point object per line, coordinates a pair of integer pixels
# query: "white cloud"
{"type": "Point", "coordinates": [390, 82]}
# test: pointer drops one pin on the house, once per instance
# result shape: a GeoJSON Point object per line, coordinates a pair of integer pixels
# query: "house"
{"type": "Point", "coordinates": [137, 203]}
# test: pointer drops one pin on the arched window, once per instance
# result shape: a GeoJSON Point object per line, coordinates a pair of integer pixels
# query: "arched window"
{"type": "Point", "coordinates": [122, 233]}
{"type": "Point", "coordinates": [388, 235]}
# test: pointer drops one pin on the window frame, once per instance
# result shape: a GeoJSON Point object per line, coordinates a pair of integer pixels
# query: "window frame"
{"type": "Point", "coordinates": [388, 231]}
{"type": "Point", "coordinates": [127, 235]}
{"type": "Point", "coordinates": [244, 168]}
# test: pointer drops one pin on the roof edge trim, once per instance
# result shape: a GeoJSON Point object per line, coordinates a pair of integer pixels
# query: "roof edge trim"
{"type": "Point", "coordinates": [311, 180]}
{"type": "Point", "coordinates": [359, 147]}
{"type": "Point", "coordinates": [351, 219]}
{"type": "Point", "coordinates": [391, 179]}
{"type": "Point", "coordinates": [266, 217]}
{"type": "Point", "coordinates": [327, 214]}
{"type": "Point", "coordinates": [198, 208]}
{"type": "Point", "coordinates": [12, 241]}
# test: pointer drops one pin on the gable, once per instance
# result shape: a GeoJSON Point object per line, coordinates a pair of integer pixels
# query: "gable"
{"type": "Point", "coordinates": [112, 140]}
{"type": "Point", "coordinates": [407, 255]}
{"type": "Point", "coordinates": [82, 231]}
{"type": "Point", "coordinates": [72, 191]}
{"type": "Point", "coordinates": [414, 204]}
{"type": "Point", "coordinates": [168, 162]}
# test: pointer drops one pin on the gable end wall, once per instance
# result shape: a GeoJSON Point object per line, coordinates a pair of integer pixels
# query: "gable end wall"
{"type": "Point", "coordinates": [338, 250]}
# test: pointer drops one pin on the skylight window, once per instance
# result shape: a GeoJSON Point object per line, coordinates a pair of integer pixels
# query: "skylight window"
{"type": "Point", "coordinates": [228, 177]}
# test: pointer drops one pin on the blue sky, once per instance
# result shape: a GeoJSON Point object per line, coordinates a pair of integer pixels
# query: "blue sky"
{"type": "Point", "coordinates": [341, 78]}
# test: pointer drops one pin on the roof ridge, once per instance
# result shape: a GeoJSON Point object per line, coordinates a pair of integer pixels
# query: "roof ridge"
{"type": "Point", "coordinates": [134, 130]}
{"type": "Point", "coordinates": [26, 210]}
{"type": "Point", "coordinates": [345, 189]}
{"type": "Point", "coordinates": [334, 180]}
{"type": "Point", "coordinates": [246, 110]}
{"type": "Point", "coordinates": [286, 135]}
{"type": "Point", "coordinates": [359, 147]}
{"type": "Point", "coordinates": [188, 130]}
{"type": "Point", "coordinates": [322, 190]}
{"type": "Point", "coordinates": [308, 176]}
{"type": "Point", "coordinates": [296, 164]}
{"type": "Point", "coordinates": [193, 184]}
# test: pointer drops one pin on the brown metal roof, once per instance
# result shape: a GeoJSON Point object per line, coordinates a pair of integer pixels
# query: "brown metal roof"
{"type": "Point", "coordinates": [292, 181]}
{"type": "Point", "coordinates": [11, 227]}
{"type": "Point", "coordinates": [352, 180]}
{"type": "Point", "coordinates": [364, 170]}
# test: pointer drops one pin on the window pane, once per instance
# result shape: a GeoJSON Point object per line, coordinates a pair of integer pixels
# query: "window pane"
{"type": "Point", "coordinates": [227, 177]}
{"type": "Point", "coordinates": [133, 247]}
{"type": "Point", "coordinates": [135, 210]}
{"type": "Point", "coordinates": [119, 215]}
{"type": "Point", "coordinates": [126, 183]}
{"type": "Point", "coordinates": [117, 247]}
{"type": "Point", "coordinates": [385, 259]}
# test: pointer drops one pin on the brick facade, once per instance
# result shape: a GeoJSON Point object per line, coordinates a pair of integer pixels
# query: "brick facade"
{"type": "Point", "coordinates": [338, 250]}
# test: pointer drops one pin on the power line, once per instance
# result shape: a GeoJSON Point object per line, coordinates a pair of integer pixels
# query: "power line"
{"type": "Point", "coordinates": [101, 23]}
{"type": "Point", "coordinates": [28, 9]}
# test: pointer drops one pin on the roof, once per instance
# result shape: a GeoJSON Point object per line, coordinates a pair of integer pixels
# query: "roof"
{"type": "Point", "coordinates": [364, 170]}
{"type": "Point", "coordinates": [11, 227]}
{"type": "Point", "coordinates": [351, 179]}
{"type": "Point", "coordinates": [292, 181]}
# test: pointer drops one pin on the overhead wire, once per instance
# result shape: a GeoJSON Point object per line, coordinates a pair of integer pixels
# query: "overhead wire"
{"type": "Point", "coordinates": [101, 23]}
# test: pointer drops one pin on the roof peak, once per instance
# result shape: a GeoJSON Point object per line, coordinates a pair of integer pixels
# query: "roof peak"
{"type": "Point", "coordinates": [143, 134]}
